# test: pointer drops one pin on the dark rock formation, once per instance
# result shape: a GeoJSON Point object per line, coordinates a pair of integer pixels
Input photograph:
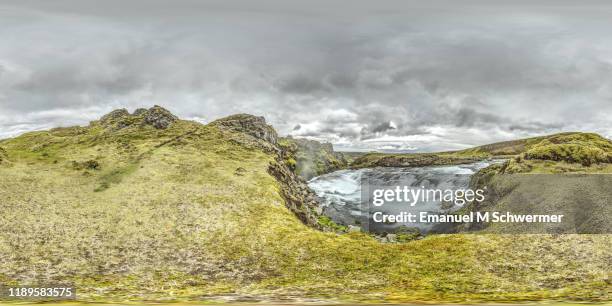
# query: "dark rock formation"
{"type": "Point", "coordinates": [159, 117]}
{"type": "Point", "coordinates": [249, 124]}
{"type": "Point", "coordinates": [299, 198]}
{"type": "Point", "coordinates": [156, 116]}
{"type": "Point", "coordinates": [250, 131]}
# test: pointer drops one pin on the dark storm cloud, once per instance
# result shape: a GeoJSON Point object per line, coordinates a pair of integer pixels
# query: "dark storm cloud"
{"type": "Point", "coordinates": [362, 74]}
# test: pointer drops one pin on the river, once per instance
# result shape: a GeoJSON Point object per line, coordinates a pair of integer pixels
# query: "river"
{"type": "Point", "coordinates": [340, 192]}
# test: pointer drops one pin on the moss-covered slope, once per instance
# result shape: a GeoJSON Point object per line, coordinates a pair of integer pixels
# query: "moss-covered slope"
{"type": "Point", "coordinates": [138, 209]}
{"type": "Point", "coordinates": [560, 153]}
{"type": "Point", "coordinates": [582, 149]}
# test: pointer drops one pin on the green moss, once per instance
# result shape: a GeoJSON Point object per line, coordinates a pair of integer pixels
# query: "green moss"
{"type": "Point", "coordinates": [415, 159]}
{"type": "Point", "coordinates": [570, 152]}
{"type": "Point", "coordinates": [291, 163]}
{"type": "Point", "coordinates": [405, 234]}
{"type": "Point", "coordinates": [561, 153]}
{"type": "Point", "coordinates": [326, 222]}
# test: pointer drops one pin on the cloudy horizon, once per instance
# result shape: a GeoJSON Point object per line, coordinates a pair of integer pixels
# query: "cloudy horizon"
{"type": "Point", "coordinates": [363, 75]}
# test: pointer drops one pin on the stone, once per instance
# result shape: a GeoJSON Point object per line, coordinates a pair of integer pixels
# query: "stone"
{"type": "Point", "coordinates": [87, 165]}
{"type": "Point", "coordinates": [354, 229]}
{"type": "Point", "coordinates": [240, 171]}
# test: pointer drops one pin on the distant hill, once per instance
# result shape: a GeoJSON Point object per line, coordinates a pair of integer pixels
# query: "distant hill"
{"type": "Point", "coordinates": [582, 149]}
{"type": "Point", "coordinates": [515, 147]}
{"type": "Point", "coordinates": [511, 147]}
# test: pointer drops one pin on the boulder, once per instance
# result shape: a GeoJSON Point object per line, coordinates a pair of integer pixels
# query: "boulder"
{"type": "Point", "coordinates": [354, 229]}
{"type": "Point", "coordinates": [240, 171]}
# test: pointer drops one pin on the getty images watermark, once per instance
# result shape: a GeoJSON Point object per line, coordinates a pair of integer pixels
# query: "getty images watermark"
{"type": "Point", "coordinates": [412, 196]}
{"type": "Point", "coordinates": [544, 203]}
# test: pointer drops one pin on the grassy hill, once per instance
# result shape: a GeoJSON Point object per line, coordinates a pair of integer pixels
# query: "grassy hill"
{"type": "Point", "coordinates": [564, 152]}
{"type": "Point", "coordinates": [145, 206]}
{"type": "Point", "coordinates": [370, 160]}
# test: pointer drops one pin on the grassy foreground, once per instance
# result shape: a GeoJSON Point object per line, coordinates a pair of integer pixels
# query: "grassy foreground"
{"type": "Point", "coordinates": [188, 213]}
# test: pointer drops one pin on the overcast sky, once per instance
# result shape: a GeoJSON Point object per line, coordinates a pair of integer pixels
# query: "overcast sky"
{"type": "Point", "coordinates": [386, 75]}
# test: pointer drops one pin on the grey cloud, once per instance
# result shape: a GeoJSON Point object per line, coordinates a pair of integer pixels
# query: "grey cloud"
{"type": "Point", "coordinates": [300, 84]}
{"type": "Point", "coordinates": [342, 71]}
{"type": "Point", "coordinates": [467, 117]}
{"type": "Point", "coordinates": [383, 127]}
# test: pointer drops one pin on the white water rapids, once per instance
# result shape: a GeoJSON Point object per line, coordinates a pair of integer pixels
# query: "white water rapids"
{"type": "Point", "coordinates": [340, 192]}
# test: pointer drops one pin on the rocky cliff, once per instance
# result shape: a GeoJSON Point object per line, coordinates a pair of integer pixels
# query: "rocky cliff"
{"type": "Point", "coordinates": [253, 131]}
{"type": "Point", "coordinates": [311, 158]}
{"type": "Point", "coordinates": [250, 125]}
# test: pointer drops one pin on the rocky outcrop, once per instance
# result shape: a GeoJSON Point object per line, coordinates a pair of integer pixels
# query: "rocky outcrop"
{"type": "Point", "coordinates": [156, 116]}
{"type": "Point", "coordinates": [299, 198]}
{"type": "Point", "coordinates": [250, 131]}
{"type": "Point", "coordinates": [251, 125]}
{"type": "Point", "coordinates": [313, 158]}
